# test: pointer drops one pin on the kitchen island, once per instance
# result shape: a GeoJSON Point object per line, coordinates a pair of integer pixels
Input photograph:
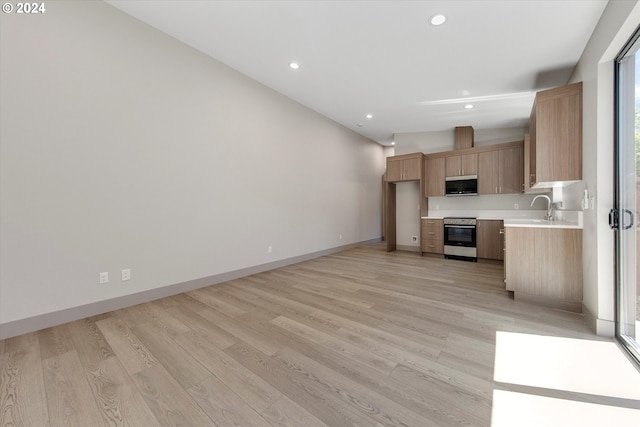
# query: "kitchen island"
{"type": "Point", "coordinates": [543, 261]}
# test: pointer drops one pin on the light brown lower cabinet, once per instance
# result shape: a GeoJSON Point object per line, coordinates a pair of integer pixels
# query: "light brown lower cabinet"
{"type": "Point", "coordinates": [432, 236]}
{"type": "Point", "coordinates": [489, 239]}
{"type": "Point", "coordinates": [544, 265]}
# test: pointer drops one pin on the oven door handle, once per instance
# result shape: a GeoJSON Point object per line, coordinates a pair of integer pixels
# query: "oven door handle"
{"type": "Point", "coordinates": [459, 226]}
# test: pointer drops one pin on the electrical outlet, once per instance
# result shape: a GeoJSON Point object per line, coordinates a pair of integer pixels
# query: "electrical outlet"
{"type": "Point", "coordinates": [340, 237]}
{"type": "Point", "coordinates": [516, 206]}
{"type": "Point", "coordinates": [126, 274]}
{"type": "Point", "coordinates": [414, 239]}
{"type": "Point", "coordinates": [104, 278]}
{"type": "Point", "coordinates": [269, 249]}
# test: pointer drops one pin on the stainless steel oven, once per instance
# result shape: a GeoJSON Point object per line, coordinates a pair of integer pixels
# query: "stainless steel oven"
{"type": "Point", "coordinates": [460, 238]}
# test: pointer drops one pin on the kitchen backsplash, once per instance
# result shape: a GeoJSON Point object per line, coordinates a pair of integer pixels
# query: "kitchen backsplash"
{"type": "Point", "coordinates": [497, 202]}
{"type": "Point", "coordinates": [497, 207]}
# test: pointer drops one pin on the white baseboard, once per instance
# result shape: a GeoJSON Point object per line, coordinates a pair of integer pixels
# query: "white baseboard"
{"type": "Point", "coordinates": [601, 327]}
{"type": "Point", "coordinates": [36, 323]}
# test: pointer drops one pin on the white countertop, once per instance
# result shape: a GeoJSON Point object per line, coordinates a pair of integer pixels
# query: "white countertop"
{"type": "Point", "coordinates": [519, 218]}
{"type": "Point", "coordinates": [486, 214]}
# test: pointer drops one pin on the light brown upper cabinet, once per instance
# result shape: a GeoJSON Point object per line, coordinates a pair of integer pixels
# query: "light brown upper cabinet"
{"type": "Point", "coordinates": [463, 137]}
{"type": "Point", "coordinates": [434, 177]}
{"type": "Point", "coordinates": [500, 171]}
{"type": "Point", "coordinates": [406, 167]}
{"type": "Point", "coordinates": [511, 166]}
{"type": "Point", "coordinates": [464, 164]}
{"type": "Point", "coordinates": [555, 137]}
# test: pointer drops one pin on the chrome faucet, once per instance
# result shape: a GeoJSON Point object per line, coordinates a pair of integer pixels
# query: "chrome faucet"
{"type": "Point", "coordinates": [549, 215]}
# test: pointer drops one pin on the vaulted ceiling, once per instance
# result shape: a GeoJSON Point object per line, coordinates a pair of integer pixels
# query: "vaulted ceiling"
{"type": "Point", "coordinates": [386, 59]}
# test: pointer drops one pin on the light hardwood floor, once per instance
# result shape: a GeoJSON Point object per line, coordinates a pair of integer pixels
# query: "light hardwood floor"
{"type": "Point", "coordinates": [361, 337]}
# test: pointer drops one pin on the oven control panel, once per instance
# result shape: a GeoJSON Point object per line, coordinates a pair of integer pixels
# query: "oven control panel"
{"type": "Point", "coordinates": [459, 221]}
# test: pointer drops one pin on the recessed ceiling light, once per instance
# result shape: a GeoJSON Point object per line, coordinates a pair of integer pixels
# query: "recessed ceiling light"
{"type": "Point", "coordinates": [294, 65]}
{"type": "Point", "coordinates": [468, 106]}
{"type": "Point", "coordinates": [393, 143]}
{"type": "Point", "coordinates": [360, 125]}
{"type": "Point", "coordinates": [369, 116]}
{"type": "Point", "coordinates": [438, 19]}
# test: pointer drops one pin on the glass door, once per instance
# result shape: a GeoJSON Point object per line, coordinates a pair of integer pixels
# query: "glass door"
{"type": "Point", "coordinates": [624, 216]}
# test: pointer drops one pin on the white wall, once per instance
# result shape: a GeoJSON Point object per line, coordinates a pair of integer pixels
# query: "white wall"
{"type": "Point", "coordinates": [423, 142]}
{"type": "Point", "coordinates": [436, 142]}
{"type": "Point", "coordinates": [595, 70]}
{"type": "Point", "coordinates": [407, 214]}
{"type": "Point", "coordinates": [123, 148]}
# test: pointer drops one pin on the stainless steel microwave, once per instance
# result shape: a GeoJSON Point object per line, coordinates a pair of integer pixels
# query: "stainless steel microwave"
{"type": "Point", "coordinates": [466, 185]}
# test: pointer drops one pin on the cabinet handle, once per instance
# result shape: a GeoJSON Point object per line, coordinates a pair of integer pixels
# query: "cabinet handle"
{"type": "Point", "coordinates": [496, 190]}
{"type": "Point", "coordinates": [502, 231]}
{"type": "Point", "coordinates": [532, 178]}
